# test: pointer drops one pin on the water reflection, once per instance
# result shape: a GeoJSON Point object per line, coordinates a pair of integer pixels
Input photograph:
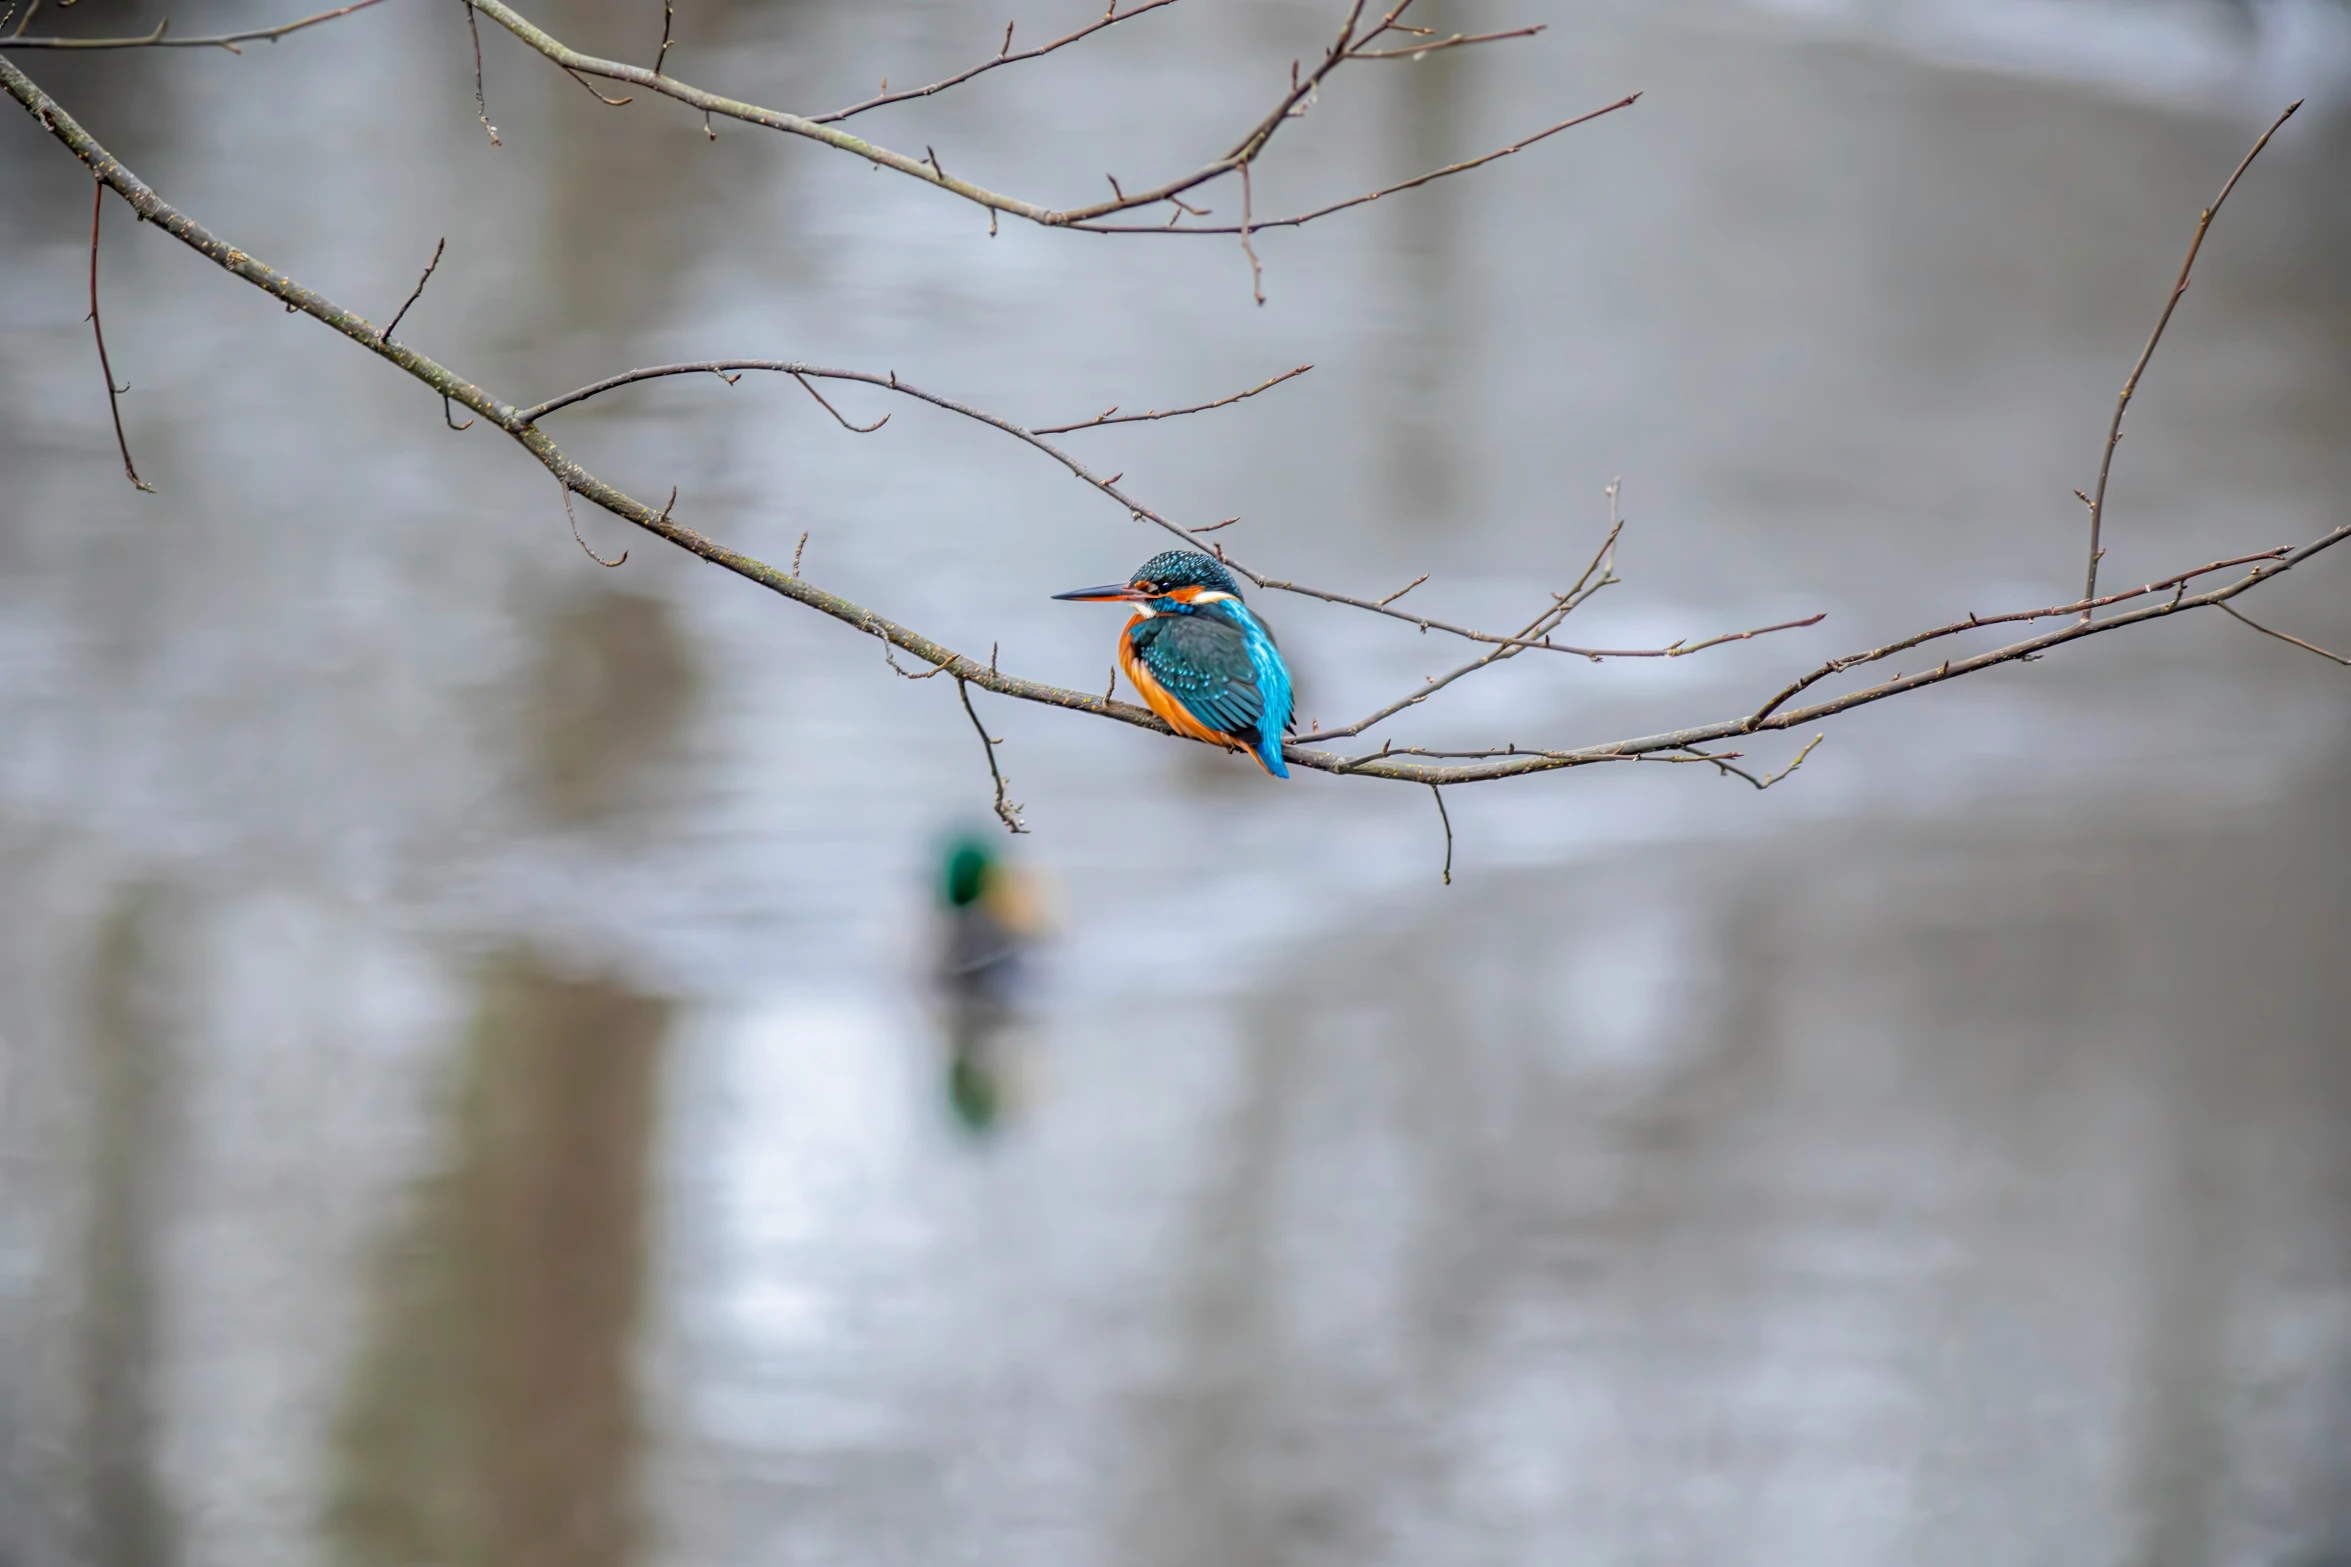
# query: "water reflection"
{"type": "Point", "coordinates": [1956, 1196]}
{"type": "Point", "coordinates": [491, 1414]}
{"type": "Point", "coordinates": [132, 1095]}
{"type": "Point", "coordinates": [606, 705]}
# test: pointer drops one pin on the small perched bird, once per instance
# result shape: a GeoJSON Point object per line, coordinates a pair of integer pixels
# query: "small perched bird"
{"type": "Point", "coordinates": [1202, 661]}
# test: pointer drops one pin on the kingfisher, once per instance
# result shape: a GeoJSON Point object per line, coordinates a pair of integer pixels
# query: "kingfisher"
{"type": "Point", "coordinates": [1202, 660]}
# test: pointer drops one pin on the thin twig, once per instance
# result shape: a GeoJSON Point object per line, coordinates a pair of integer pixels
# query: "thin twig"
{"type": "Point", "coordinates": [417, 293]}
{"type": "Point", "coordinates": [809, 387]}
{"type": "Point", "coordinates": [2310, 647]}
{"type": "Point", "coordinates": [1109, 19]}
{"type": "Point", "coordinates": [1170, 413]}
{"type": "Point", "coordinates": [1407, 588]}
{"type": "Point", "coordinates": [1256, 270]}
{"type": "Point", "coordinates": [1261, 224]}
{"type": "Point", "coordinates": [668, 15]}
{"type": "Point", "coordinates": [1438, 795]}
{"type": "Point", "coordinates": [450, 420]}
{"type": "Point", "coordinates": [157, 40]}
{"type": "Point", "coordinates": [1006, 812]}
{"type": "Point", "coordinates": [1457, 41]}
{"type": "Point", "coordinates": [481, 103]}
{"type": "Point", "coordinates": [113, 393]}
{"type": "Point", "coordinates": [573, 518]}
{"type": "Point", "coordinates": [2130, 385]}
{"type": "Point", "coordinates": [609, 103]}
{"type": "Point", "coordinates": [798, 550]}
{"type": "Point", "coordinates": [1723, 760]}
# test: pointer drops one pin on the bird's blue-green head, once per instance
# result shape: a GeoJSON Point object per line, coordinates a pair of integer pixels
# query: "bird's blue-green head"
{"type": "Point", "coordinates": [1177, 574]}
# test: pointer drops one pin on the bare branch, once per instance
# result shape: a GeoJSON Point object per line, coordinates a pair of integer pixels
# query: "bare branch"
{"type": "Point", "coordinates": [669, 13]}
{"type": "Point", "coordinates": [157, 40]}
{"type": "Point", "coordinates": [1292, 103]}
{"type": "Point", "coordinates": [416, 293]}
{"type": "Point", "coordinates": [2310, 647]}
{"type": "Point", "coordinates": [1408, 765]}
{"type": "Point", "coordinates": [1837, 666]}
{"type": "Point", "coordinates": [1110, 18]}
{"type": "Point", "coordinates": [1006, 812]}
{"type": "Point", "coordinates": [97, 330]}
{"type": "Point", "coordinates": [1133, 506]}
{"type": "Point", "coordinates": [1599, 574]}
{"type": "Point", "coordinates": [2130, 385]}
{"type": "Point", "coordinates": [1170, 413]}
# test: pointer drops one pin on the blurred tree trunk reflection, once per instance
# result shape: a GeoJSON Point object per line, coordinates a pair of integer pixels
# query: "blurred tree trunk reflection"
{"type": "Point", "coordinates": [490, 1416]}
{"type": "Point", "coordinates": [130, 1092]}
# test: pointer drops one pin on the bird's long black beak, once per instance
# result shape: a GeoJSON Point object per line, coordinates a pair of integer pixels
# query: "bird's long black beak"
{"type": "Point", "coordinates": [1109, 593]}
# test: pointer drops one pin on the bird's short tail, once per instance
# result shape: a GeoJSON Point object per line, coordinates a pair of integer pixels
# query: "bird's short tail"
{"type": "Point", "coordinates": [1268, 752]}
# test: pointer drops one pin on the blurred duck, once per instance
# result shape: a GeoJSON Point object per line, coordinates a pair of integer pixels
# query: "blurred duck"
{"type": "Point", "coordinates": [991, 918]}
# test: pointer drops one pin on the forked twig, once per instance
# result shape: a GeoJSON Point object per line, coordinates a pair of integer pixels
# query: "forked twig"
{"type": "Point", "coordinates": [1260, 225]}
{"type": "Point", "coordinates": [1292, 104]}
{"type": "Point", "coordinates": [1003, 56]}
{"type": "Point", "coordinates": [1457, 41]}
{"type": "Point", "coordinates": [1723, 762]}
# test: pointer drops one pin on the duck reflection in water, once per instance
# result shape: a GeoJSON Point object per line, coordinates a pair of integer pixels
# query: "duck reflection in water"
{"type": "Point", "coordinates": [991, 918]}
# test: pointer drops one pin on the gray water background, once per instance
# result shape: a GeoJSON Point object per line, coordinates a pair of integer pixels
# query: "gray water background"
{"type": "Point", "coordinates": [465, 1087]}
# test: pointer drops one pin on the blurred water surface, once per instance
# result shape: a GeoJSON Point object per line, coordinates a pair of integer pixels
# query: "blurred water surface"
{"type": "Point", "coordinates": [465, 1093]}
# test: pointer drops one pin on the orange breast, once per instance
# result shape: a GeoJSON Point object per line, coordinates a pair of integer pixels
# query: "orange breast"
{"type": "Point", "coordinates": [1162, 701]}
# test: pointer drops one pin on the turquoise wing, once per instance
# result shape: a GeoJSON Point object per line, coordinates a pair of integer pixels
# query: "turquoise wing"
{"type": "Point", "coordinates": [1221, 663]}
{"type": "Point", "coordinates": [1203, 662]}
